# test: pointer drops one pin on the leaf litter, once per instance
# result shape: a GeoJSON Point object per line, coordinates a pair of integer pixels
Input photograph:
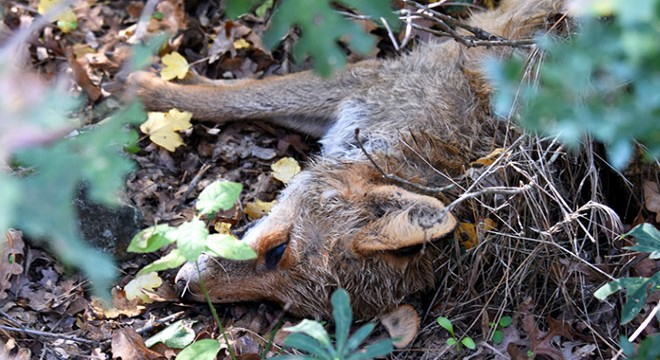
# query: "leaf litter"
{"type": "Point", "coordinates": [92, 39]}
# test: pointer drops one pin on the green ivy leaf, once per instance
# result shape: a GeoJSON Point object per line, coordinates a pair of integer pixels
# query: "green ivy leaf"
{"type": "Point", "coordinates": [205, 349]}
{"type": "Point", "coordinates": [177, 336]}
{"type": "Point", "coordinates": [498, 337]}
{"type": "Point", "coordinates": [220, 195]}
{"type": "Point", "coordinates": [229, 247]}
{"type": "Point", "coordinates": [170, 261]}
{"type": "Point", "coordinates": [191, 238]}
{"type": "Point", "coordinates": [648, 240]}
{"type": "Point", "coordinates": [151, 239]}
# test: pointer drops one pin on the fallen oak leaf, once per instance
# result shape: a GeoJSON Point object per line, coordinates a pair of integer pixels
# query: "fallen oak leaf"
{"type": "Point", "coordinates": [11, 252]}
{"type": "Point", "coordinates": [652, 198]}
{"type": "Point", "coordinates": [176, 66]}
{"type": "Point", "coordinates": [128, 344]}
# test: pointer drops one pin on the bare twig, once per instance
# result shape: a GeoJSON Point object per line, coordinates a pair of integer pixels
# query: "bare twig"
{"type": "Point", "coordinates": [396, 178]}
{"type": "Point", "coordinates": [152, 324]}
{"type": "Point", "coordinates": [47, 334]}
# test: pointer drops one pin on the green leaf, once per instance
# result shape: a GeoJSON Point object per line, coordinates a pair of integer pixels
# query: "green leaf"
{"type": "Point", "coordinates": [236, 8]}
{"type": "Point", "coordinates": [498, 337]}
{"type": "Point", "coordinates": [170, 261]}
{"type": "Point", "coordinates": [143, 52]}
{"type": "Point", "coordinates": [451, 341]}
{"type": "Point", "coordinates": [468, 343]}
{"type": "Point", "coordinates": [648, 240]}
{"type": "Point", "coordinates": [191, 238]}
{"type": "Point", "coordinates": [205, 349]}
{"type": "Point", "coordinates": [378, 349]}
{"type": "Point", "coordinates": [446, 324]}
{"type": "Point", "coordinates": [313, 329]}
{"type": "Point", "coordinates": [263, 8]}
{"type": "Point", "coordinates": [151, 239]}
{"type": "Point", "coordinates": [308, 344]}
{"type": "Point", "coordinates": [636, 298]}
{"type": "Point", "coordinates": [220, 195]}
{"type": "Point", "coordinates": [229, 247]}
{"type": "Point", "coordinates": [321, 28]}
{"type": "Point", "coordinates": [359, 336]}
{"type": "Point", "coordinates": [506, 321]}
{"type": "Point", "coordinates": [177, 336]}
{"type": "Point", "coordinates": [343, 316]}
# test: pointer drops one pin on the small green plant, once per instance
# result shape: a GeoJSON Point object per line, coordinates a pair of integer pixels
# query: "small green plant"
{"type": "Point", "coordinates": [192, 238]}
{"type": "Point", "coordinates": [310, 336]}
{"type": "Point", "coordinates": [453, 340]}
{"type": "Point", "coordinates": [498, 334]}
{"type": "Point", "coordinates": [638, 289]}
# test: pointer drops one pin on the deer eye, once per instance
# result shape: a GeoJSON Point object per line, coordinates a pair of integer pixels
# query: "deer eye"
{"type": "Point", "coordinates": [274, 255]}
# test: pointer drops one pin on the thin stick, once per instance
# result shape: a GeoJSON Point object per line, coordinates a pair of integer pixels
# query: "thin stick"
{"type": "Point", "coordinates": [396, 178]}
{"type": "Point", "coordinates": [47, 334]}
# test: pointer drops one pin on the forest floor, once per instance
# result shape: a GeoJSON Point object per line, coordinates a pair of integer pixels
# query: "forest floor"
{"type": "Point", "coordinates": [48, 312]}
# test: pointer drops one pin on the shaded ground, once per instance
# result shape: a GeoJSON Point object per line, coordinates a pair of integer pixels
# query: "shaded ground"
{"type": "Point", "coordinates": [47, 313]}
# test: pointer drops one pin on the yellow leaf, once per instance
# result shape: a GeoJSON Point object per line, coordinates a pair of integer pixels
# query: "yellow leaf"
{"type": "Point", "coordinates": [66, 20]}
{"type": "Point", "coordinates": [241, 44]}
{"type": "Point", "coordinates": [255, 210]}
{"type": "Point", "coordinates": [467, 235]}
{"type": "Point", "coordinates": [179, 120]}
{"type": "Point", "coordinates": [136, 287]}
{"type": "Point", "coordinates": [489, 225]}
{"type": "Point", "coordinates": [222, 228]}
{"type": "Point", "coordinates": [285, 168]}
{"type": "Point", "coordinates": [162, 127]}
{"type": "Point", "coordinates": [488, 159]}
{"type": "Point", "coordinates": [175, 66]}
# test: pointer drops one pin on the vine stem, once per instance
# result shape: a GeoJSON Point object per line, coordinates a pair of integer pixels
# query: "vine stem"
{"type": "Point", "coordinates": [214, 312]}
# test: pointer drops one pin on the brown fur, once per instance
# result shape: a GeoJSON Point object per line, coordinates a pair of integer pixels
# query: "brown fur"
{"type": "Point", "coordinates": [424, 116]}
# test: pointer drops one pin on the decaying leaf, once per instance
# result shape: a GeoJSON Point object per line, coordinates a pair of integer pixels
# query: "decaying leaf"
{"type": "Point", "coordinates": [162, 127]}
{"type": "Point", "coordinates": [11, 259]}
{"type": "Point", "coordinates": [128, 344]}
{"type": "Point", "coordinates": [652, 198]}
{"type": "Point", "coordinates": [176, 66]}
{"type": "Point", "coordinates": [257, 209]}
{"type": "Point", "coordinates": [146, 282]}
{"type": "Point", "coordinates": [285, 168]}
{"type": "Point", "coordinates": [488, 159]}
{"type": "Point", "coordinates": [222, 227]}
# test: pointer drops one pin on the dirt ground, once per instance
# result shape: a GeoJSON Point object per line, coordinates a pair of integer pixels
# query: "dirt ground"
{"type": "Point", "coordinates": [47, 313]}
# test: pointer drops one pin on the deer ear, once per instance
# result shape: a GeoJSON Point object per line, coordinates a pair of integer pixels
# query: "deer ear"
{"type": "Point", "coordinates": [402, 219]}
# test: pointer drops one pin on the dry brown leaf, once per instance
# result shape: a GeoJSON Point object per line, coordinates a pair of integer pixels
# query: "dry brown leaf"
{"type": "Point", "coordinates": [11, 253]}
{"type": "Point", "coordinates": [128, 344]}
{"type": "Point", "coordinates": [488, 159]}
{"type": "Point", "coordinates": [81, 77]}
{"type": "Point", "coordinates": [652, 198]}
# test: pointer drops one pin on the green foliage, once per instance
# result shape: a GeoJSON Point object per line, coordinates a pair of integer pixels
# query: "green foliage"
{"type": "Point", "coordinates": [205, 349]}
{"type": "Point", "coordinates": [192, 237]}
{"type": "Point", "coordinates": [637, 289]}
{"type": "Point", "coordinates": [322, 27]}
{"type": "Point", "coordinates": [312, 338]}
{"type": "Point", "coordinates": [467, 341]}
{"type": "Point", "coordinates": [604, 81]}
{"type": "Point", "coordinates": [498, 334]}
{"type": "Point", "coordinates": [177, 336]}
